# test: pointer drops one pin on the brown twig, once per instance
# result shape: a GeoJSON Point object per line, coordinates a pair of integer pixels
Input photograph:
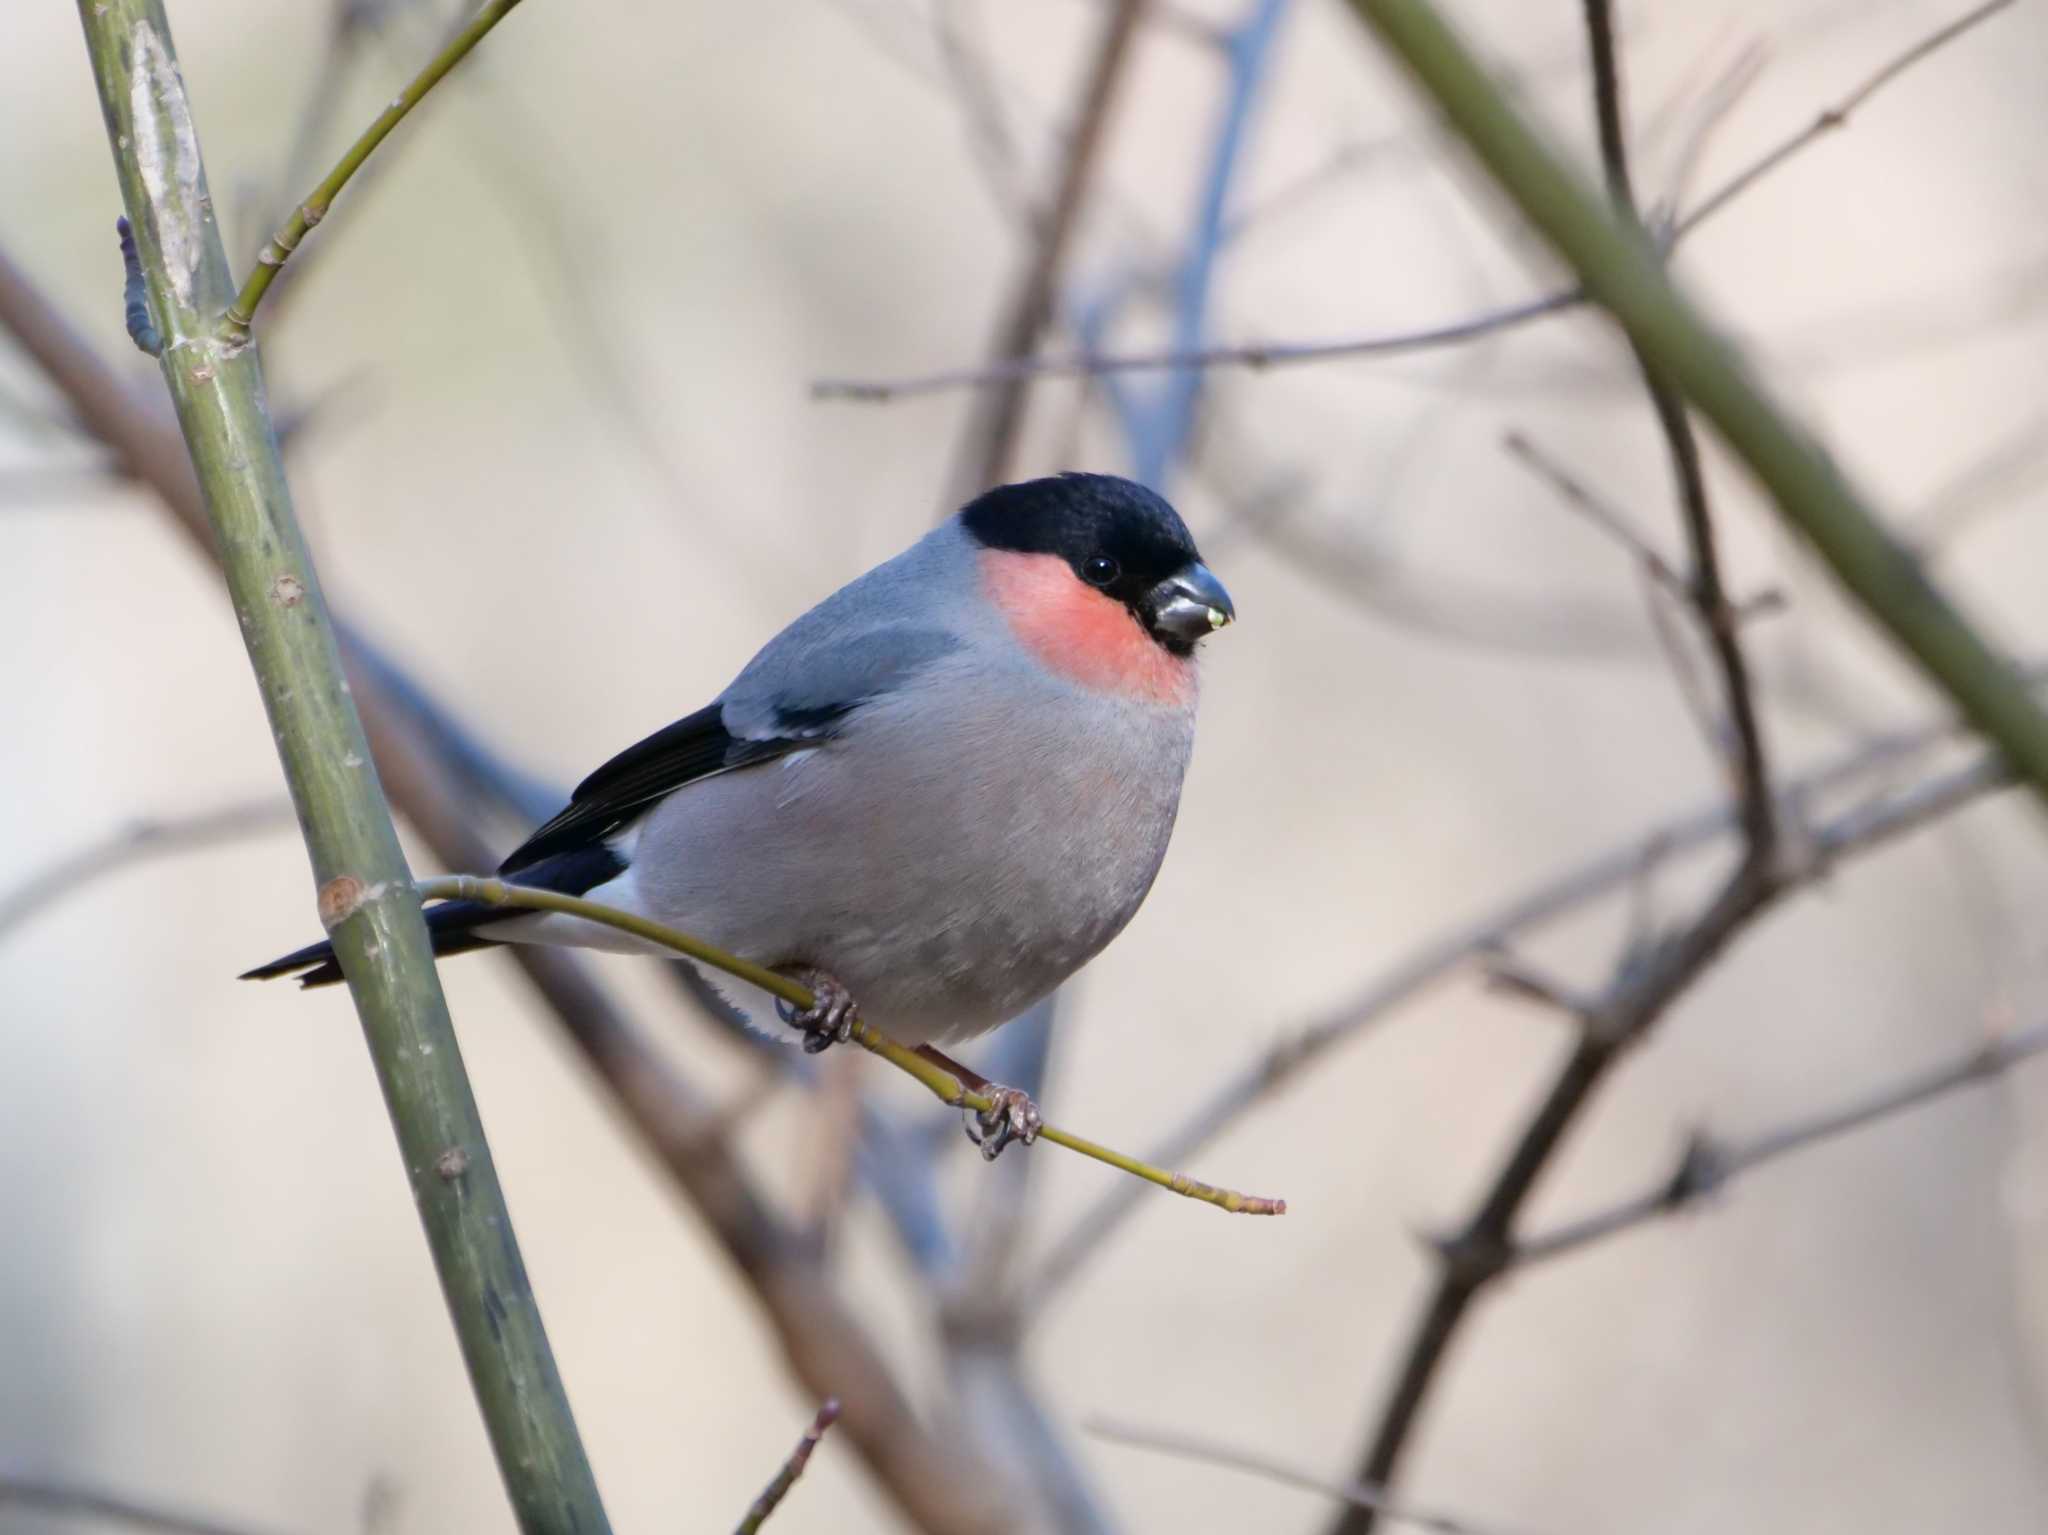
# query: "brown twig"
{"type": "Point", "coordinates": [1256, 356]}
{"type": "Point", "coordinates": [1262, 355]}
{"type": "Point", "coordinates": [792, 1468]}
{"type": "Point", "coordinates": [1751, 767]}
{"type": "Point", "coordinates": [1709, 1164]}
{"type": "Point", "coordinates": [1443, 955]}
{"type": "Point", "coordinates": [1644, 987]}
{"type": "Point", "coordinates": [1648, 980]}
{"type": "Point", "coordinates": [1357, 1494]}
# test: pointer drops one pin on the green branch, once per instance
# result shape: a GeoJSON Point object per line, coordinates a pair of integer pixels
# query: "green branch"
{"type": "Point", "coordinates": [943, 1085]}
{"type": "Point", "coordinates": [277, 250]}
{"type": "Point", "coordinates": [1621, 273]}
{"type": "Point", "coordinates": [364, 889]}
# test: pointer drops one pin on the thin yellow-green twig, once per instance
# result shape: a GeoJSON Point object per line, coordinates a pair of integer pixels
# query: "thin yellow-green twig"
{"type": "Point", "coordinates": [941, 1083]}
{"type": "Point", "coordinates": [277, 250]}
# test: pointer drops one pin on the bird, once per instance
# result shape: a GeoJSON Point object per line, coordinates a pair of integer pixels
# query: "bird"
{"type": "Point", "coordinates": [932, 798]}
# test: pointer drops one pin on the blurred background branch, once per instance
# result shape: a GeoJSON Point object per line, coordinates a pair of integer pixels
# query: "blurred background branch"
{"type": "Point", "coordinates": [565, 413]}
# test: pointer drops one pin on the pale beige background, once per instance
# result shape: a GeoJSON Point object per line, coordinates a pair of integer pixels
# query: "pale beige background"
{"type": "Point", "coordinates": [212, 1287]}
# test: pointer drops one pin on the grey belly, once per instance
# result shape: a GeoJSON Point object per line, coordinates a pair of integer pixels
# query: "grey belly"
{"type": "Point", "coordinates": [948, 892]}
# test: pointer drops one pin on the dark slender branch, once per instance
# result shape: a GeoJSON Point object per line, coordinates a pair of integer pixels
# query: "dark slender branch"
{"type": "Point", "coordinates": [1710, 1164]}
{"type": "Point", "coordinates": [792, 1468]}
{"type": "Point", "coordinates": [38, 1495]}
{"type": "Point", "coordinates": [1357, 1494]}
{"type": "Point", "coordinates": [1708, 594]}
{"type": "Point", "coordinates": [1645, 985]}
{"type": "Point", "coordinates": [1442, 955]}
{"type": "Point", "coordinates": [989, 446]}
{"type": "Point", "coordinates": [1478, 1253]}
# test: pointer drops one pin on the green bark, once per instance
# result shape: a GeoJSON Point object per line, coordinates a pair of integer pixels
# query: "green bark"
{"type": "Point", "coordinates": [1622, 273]}
{"type": "Point", "coordinates": [364, 891]}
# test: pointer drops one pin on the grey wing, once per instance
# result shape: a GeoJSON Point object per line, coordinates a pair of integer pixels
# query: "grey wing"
{"type": "Point", "coordinates": [821, 668]}
{"type": "Point", "coordinates": [789, 697]}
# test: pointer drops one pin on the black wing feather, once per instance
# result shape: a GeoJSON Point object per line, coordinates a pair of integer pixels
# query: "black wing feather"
{"type": "Point", "coordinates": [696, 746]}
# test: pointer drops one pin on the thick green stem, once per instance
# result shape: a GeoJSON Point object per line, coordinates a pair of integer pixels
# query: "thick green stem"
{"type": "Point", "coordinates": [942, 1084]}
{"type": "Point", "coordinates": [1621, 273]}
{"type": "Point", "coordinates": [277, 250]}
{"type": "Point", "coordinates": [365, 897]}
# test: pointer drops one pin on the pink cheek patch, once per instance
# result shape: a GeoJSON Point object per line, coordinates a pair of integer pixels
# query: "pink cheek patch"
{"type": "Point", "coordinates": [1081, 634]}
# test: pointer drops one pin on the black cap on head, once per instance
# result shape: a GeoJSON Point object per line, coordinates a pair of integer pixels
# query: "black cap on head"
{"type": "Point", "coordinates": [1114, 533]}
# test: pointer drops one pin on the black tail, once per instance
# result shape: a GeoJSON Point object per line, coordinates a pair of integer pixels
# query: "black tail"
{"type": "Point", "coordinates": [453, 926]}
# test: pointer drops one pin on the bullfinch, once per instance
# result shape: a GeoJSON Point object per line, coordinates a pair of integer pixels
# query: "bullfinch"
{"type": "Point", "coordinates": [934, 796]}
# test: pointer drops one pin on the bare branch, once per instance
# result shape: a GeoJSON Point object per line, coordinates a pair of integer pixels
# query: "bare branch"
{"type": "Point", "coordinates": [1836, 116]}
{"type": "Point", "coordinates": [1442, 955]}
{"type": "Point", "coordinates": [1273, 354]}
{"type": "Point", "coordinates": [792, 1468]}
{"type": "Point", "coordinates": [1722, 99]}
{"type": "Point", "coordinates": [1357, 1494]}
{"type": "Point", "coordinates": [1709, 1164]}
{"type": "Point", "coordinates": [1751, 767]}
{"type": "Point", "coordinates": [1256, 356]}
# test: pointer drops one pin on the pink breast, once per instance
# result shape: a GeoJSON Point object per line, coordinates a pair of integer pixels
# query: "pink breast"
{"type": "Point", "coordinates": [1080, 633]}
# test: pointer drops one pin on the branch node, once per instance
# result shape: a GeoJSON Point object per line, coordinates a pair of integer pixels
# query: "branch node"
{"type": "Point", "coordinates": [1506, 971]}
{"type": "Point", "coordinates": [1703, 1168]}
{"type": "Point", "coordinates": [340, 898]}
{"type": "Point", "coordinates": [1473, 1257]}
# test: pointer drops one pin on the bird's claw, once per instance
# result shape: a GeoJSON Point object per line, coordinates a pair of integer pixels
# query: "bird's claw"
{"type": "Point", "coordinates": [1010, 1116]}
{"type": "Point", "coordinates": [830, 1018]}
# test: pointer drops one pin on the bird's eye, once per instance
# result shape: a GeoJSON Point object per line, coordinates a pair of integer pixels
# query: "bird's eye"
{"type": "Point", "coordinates": [1101, 570]}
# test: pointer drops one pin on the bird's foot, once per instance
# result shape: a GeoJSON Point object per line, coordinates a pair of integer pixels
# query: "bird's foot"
{"type": "Point", "coordinates": [1011, 1116]}
{"type": "Point", "coordinates": [830, 1018]}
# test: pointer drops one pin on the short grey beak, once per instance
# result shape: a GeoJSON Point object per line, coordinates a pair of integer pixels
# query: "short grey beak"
{"type": "Point", "coordinates": [1190, 604]}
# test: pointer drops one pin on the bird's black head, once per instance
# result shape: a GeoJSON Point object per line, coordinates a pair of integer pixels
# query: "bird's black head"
{"type": "Point", "coordinates": [1116, 536]}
